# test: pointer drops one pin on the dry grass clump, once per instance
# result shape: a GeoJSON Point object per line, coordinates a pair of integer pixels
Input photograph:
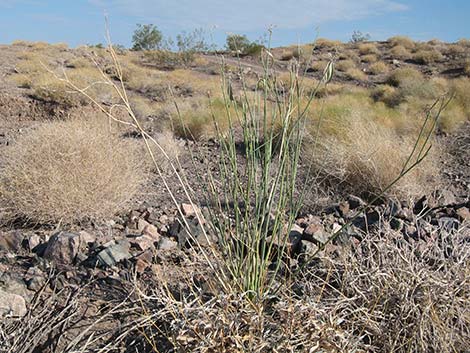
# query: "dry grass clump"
{"type": "Point", "coordinates": [400, 52]}
{"type": "Point", "coordinates": [319, 66]}
{"type": "Point", "coordinates": [455, 49]}
{"type": "Point", "coordinates": [379, 68]}
{"type": "Point", "coordinates": [344, 65]}
{"type": "Point", "coordinates": [464, 42]}
{"type": "Point", "coordinates": [195, 119]}
{"type": "Point", "coordinates": [368, 49]}
{"type": "Point", "coordinates": [327, 43]}
{"type": "Point", "coordinates": [356, 74]}
{"type": "Point", "coordinates": [425, 57]}
{"type": "Point", "coordinates": [355, 139]}
{"type": "Point", "coordinates": [360, 157]}
{"type": "Point", "coordinates": [167, 152]}
{"type": "Point", "coordinates": [371, 58]}
{"type": "Point", "coordinates": [400, 76]}
{"type": "Point", "coordinates": [402, 41]}
{"type": "Point", "coordinates": [70, 171]}
{"type": "Point", "coordinates": [466, 67]}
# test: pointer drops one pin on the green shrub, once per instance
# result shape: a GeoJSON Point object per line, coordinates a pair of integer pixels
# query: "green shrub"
{"type": "Point", "coordinates": [146, 37]}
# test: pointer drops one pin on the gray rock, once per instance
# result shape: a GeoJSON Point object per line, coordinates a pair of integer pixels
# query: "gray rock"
{"type": "Point", "coordinates": [62, 247]}
{"type": "Point", "coordinates": [167, 244]}
{"type": "Point", "coordinates": [152, 232]}
{"type": "Point", "coordinates": [114, 253]}
{"type": "Point", "coordinates": [143, 242]}
{"type": "Point", "coordinates": [189, 210]}
{"type": "Point", "coordinates": [35, 278]}
{"type": "Point", "coordinates": [12, 305]}
{"type": "Point", "coordinates": [315, 233]}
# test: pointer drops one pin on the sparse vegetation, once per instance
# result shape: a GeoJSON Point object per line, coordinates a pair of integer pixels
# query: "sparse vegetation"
{"type": "Point", "coordinates": [236, 267]}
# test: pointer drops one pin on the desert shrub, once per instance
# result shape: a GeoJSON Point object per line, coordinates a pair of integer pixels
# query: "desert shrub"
{"type": "Point", "coordinates": [368, 48]}
{"type": "Point", "coordinates": [196, 119]}
{"type": "Point", "coordinates": [39, 46]}
{"type": "Point", "coordinates": [319, 65]}
{"type": "Point", "coordinates": [453, 117]}
{"type": "Point", "coordinates": [237, 42]}
{"type": "Point", "coordinates": [466, 67]}
{"type": "Point", "coordinates": [464, 42]}
{"type": "Point", "coordinates": [302, 52]}
{"type": "Point", "coordinates": [379, 68]}
{"type": "Point", "coordinates": [146, 37]}
{"type": "Point", "coordinates": [455, 49]}
{"type": "Point", "coordinates": [403, 41]}
{"type": "Point", "coordinates": [358, 37]}
{"type": "Point", "coordinates": [400, 76]}
{"type": "Point", "coordinates": [404, 296]}
{"type": "Point", "coordinates": [327, 43]}
{"type": "Point", "coordinates": [460, 88]}
{"type": "Point", "coordinates": [388, 95]}
{"type": "Point", "coordinates": [425, 57]}
{"type": "Point", "coordinates": [400, 52]}
{"type": "Point", "coordinates": [344, 65]}
{"type": "Point", "coordinates": [78, 63]}
{"type": "Point", "coordinates": [370, 58]}
{"type": "Point", "coordinates": [21, 43]}
{"type": "Point", "coordinates": [356, 152]}
{"type": "Point", "coordinates": [166, 153]}
{"type": "Point", "coordinates": [356, 74]}
{"type": "Point", "coordinates": [287, 55]}
{"type": "Point", "coordinates": [189, 44]}
{"type": "Point", "coordinates": [70, 171]}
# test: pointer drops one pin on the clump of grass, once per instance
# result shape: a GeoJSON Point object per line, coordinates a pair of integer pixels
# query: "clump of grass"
{"type": "Point", "coordinates": [400, 77]}
{"type": "Point", "coordinates": [327, 43]}
{"type": "Point", "coordinates": [379, 68]}
{"type": "Point", "coordinates": [69, 171]}
{"type": "Point", "coordinates": [195, 119]}
{"type": "Point", "coordinates": [455, 50]}
{"type": "Point", "coordinates": [344, 65]}
{"type": "Point", "coordinates": [388, 95]}
{"type": "Point", "coordinates": [359, 156]}
{"type": "Point", "coordinates": [370, 58]}
{"type": "Point", "coordinates": [319, 66]}
{"type": "Point", "coordinates": [368, 49]}
{"type": "Point", "coordinates": [425, 57]}
{"type": "Point", "coordinates": [400, 52]}
{"type": "Point", "coordinates": [466, 67]}
{"type": "Point", "coordinates": [356, 74]}
{"type": "Point", "coordinates": [402, 41]}
{"type": "Point", "coordinates": [168, 151]}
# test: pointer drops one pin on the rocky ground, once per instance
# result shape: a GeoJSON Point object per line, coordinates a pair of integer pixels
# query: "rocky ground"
{"type": "Point", "coordinates": [76, 277]}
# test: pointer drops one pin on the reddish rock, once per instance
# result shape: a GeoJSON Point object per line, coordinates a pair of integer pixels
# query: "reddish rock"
{"type": "Point", "coordinates": [63, 247]}
{"type": "Point", "coordinates": [463, 213]}
{"type": "Point", "coordinates": [189, 210]}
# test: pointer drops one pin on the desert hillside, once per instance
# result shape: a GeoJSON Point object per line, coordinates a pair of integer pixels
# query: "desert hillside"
{"type": "Point", "coordinates": [310, 198]}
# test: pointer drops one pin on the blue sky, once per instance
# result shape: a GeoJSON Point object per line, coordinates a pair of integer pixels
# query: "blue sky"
{"type": "Point", "coordinates": [82, 21]}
